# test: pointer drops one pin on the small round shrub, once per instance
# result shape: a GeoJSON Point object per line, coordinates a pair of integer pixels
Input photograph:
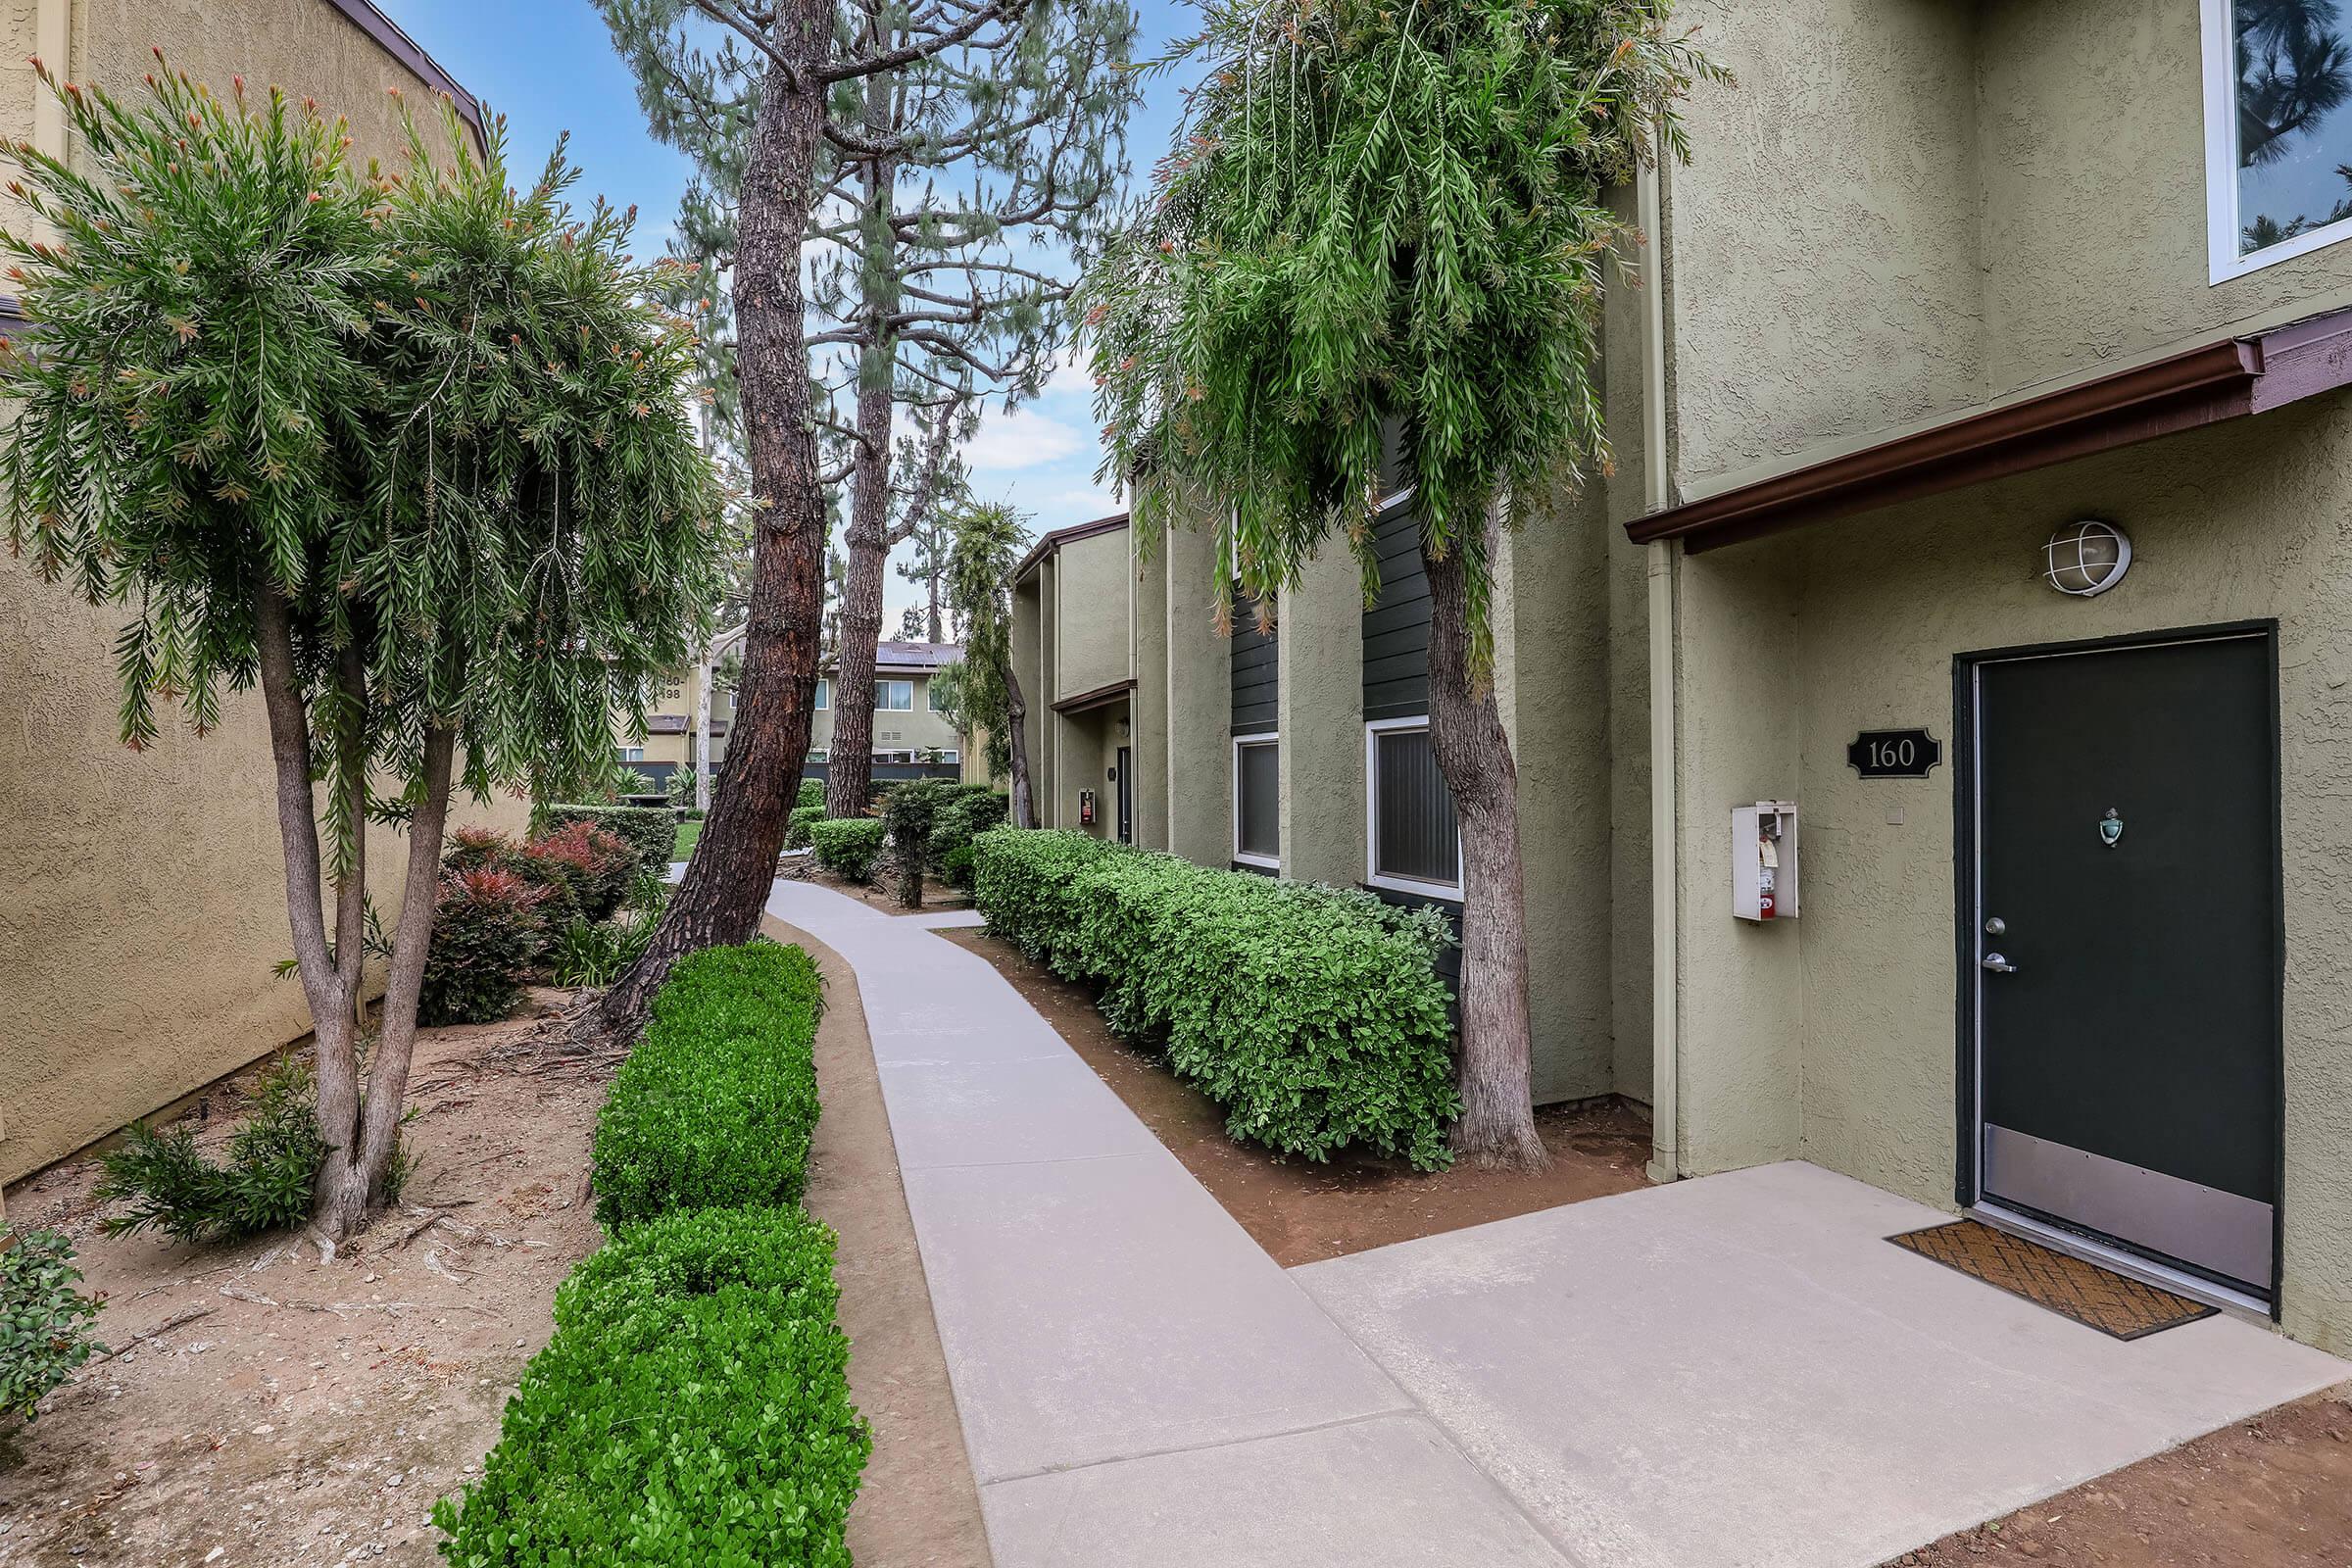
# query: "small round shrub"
{"type": "Point", "coordinates": [850, 849]}
{"type": "Point", "coordinates": [469, 849]}
{"type": "Point", "coordinates": [487, 930]}
{"type": "Point", "coordinates": [812, 793]}
{"type": "Point", "coordinates": [798, 824]}
{"type": "Point", "coordinates": [586, 869]}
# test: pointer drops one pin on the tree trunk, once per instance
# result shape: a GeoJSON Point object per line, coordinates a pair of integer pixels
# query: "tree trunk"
{"type": "Point", "coordinates": [1017, 723]}
{"type": "Point", "coordinates": [1497, 1126]}
{"type": "Point", "coordinates": [850, 777]}
{"type": "Point", "coordinates": [734, 863]}
{"type": "Point", "coordinates": [849, 774]}
{"type": "Point", "coordinates": [367, 1135]}
{"type": "Point", "coordinates": [931, 586]}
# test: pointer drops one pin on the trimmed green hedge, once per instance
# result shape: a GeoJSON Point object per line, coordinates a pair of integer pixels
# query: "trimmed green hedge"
{"type": "Point", "coordinates": [1314, 1015]}
{"type": "Point", "coordinates": [973, 811]}
{"type": "Point", "coordinates": [715, 1105]}
{"type": "Point", "coordinates": [798, 824]}
{"type": "Point", "coordinates": [650, 830]}
{"type": "Point", "coordinates": [693, 1408]}
{"type": "Point", "coordinates": [812, 793]}
{"type": "Point", "coordinates": [848, 847]}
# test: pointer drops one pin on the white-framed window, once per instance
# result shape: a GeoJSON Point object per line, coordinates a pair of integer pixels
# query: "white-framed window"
{"type": "Point", "coordinates": [1257, 801]}
{"type": "Point", "coordinates": [632, 754]}
{"type": "Point", "coordinates": [893, 696]}
{"type": "Point", "coordinates": [824, 694]}
{"type": "Point", "coordinates": [2277, 130]}
{"type": "Point", "coordinates": [818, 753]}
{"type": "Point", "coordinates": [949, 755]}
{"type": "Point", "coordinates": [1412, 843]}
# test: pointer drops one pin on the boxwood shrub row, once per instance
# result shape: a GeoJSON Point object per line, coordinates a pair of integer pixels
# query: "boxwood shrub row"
{"type": "Point", "coordinates": [848, 847]}
{"type": "Point", "coordinates": [1314, 1015]}
{"type": "Point", "coordinates": [693, 1407]}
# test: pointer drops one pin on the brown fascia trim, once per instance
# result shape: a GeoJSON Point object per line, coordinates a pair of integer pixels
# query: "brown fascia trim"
{"type": "Point", "coordinates": [2223, 380]}
{"type": "Point", "coordinates": [388, 37]}
{"type": "Point", "coordinates": [1066, 536]}
{"type": "Point", "coordinates": [1100, 697]}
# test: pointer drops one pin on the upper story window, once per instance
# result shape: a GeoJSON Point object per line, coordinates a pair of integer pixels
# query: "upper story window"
{"type": "Point", "coordinates": [632, 754]}
{"type": "Point", "coordinates": [2277, 130]}
{"type": "Point", "coordinates": [824, 694]}
{"type": "Point", "coordinates": [931, 697]}
{"type": "Point", "coordinates": [893, 696]}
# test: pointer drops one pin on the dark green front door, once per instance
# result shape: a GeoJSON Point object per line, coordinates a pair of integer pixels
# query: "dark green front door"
{"type": "Point", "coordinates": [2126, 957]}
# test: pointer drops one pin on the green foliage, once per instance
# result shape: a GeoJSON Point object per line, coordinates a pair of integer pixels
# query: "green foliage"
{"type": "Point", "coordinates": [909, 812]}
{"type": "Point", "coordinates": [471, 848]}
{"type": "Point", "coordinates": [488, 929]}
{"type": "Point", "coordinates": [592, 869]}
{"type": "Point", "coordinates": [1314, 1015]}
{"type": "Point", "coordinates": [986, 542]}
{"type": "Point", "coordinates": [715, 1105]}
{"type": "Point", "coordinates": [812, 793]}
{"type": "Point", "coordinates": [850, 849]}
{"type": "Point", "coordinates": [798, 823]}
{"type": "Point", "coordinates": [691, 1408]}
{"type": "Point", "coordinates": [975, 810]}
{"type": "Point", "coordinates": [273, 1158]}
{"type": "Point", "coordinates": [650, 830]}
{"type": "Point", "coordinates": [432, 416]}
{"type": "Point", "coordinates": [45, 1321]}
{"type": "Point", "coordinates": [1379, 221]}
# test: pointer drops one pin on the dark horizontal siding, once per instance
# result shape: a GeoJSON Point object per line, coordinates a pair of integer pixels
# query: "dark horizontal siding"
{"type": "Point", "coordinates": [1396, 628]}
{"type": "Point", "coordinates": [1257, 673]}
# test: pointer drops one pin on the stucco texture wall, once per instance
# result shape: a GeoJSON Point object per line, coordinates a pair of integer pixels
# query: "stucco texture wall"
{"type": "Point", "coordinates": [1319, 700]}
{"type": "Point", "coordinates": [1093, 645]}
{"type": "Point", "coordinates": [145, 896]}
{"type": "Point", "coordinates": [1848, 1038]}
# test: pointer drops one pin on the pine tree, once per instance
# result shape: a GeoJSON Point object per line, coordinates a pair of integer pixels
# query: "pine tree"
{"type": "Point", "coordinates": [405, 450]}
{"type": "Point", "coordinates": [926, 562]}
{"type": "Point", "coordinates": [1377, 253]}
{"type": "Point", "coordinates": [985, 544]}
{"type": "Point", "coordinates": [776, 100]}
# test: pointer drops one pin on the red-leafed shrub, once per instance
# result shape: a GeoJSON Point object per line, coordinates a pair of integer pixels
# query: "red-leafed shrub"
{"type": "Point", "coordinates": [592, 869]}
{"type": "Point", "coordinates": [469, 849]}
{"type": "Point", "coordinates": [487, 929]}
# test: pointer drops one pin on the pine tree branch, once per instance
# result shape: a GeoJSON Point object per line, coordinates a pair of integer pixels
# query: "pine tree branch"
{"type": "Point", "coordinates": [1008, 12]}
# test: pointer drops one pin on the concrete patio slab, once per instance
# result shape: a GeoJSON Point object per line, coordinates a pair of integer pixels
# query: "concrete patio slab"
{"type": "Point", "coordinates": [1740, 1370]}
{"type": "Point", "coordinates": [1107, 1308]}
{"type": "Point", "coordinates": [1389, 1492]}
{"type": "Point", "coordinates": [992, 1113]}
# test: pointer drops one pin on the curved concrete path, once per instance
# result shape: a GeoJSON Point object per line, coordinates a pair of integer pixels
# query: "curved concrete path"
{"type": "Point", "coordinates": [1732, 1371]}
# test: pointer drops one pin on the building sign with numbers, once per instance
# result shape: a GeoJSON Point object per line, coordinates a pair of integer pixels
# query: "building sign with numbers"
{"type": "Point", "coordinates": [1893, 753]}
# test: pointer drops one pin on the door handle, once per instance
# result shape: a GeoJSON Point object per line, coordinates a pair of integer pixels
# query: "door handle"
{"type": "Point", "coordinates": [1998, 965]}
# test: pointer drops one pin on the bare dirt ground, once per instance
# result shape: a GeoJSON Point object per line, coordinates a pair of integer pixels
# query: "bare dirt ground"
{"type": "Point", "coordinates": [2272, 1492]}
{"type": "Point", "coordinates": [1299, 1211]}
{"type": "Point", "coordinates": [298, 1412]}
{"type": "Point", "coordinates": [883, 893]}
{"type": "Point", "coordinates": [919, 1507]}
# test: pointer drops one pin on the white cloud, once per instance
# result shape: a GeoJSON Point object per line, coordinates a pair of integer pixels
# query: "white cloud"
{"type": "Point", "coordinates": [1075, 373]}
{"type": "Point", "coordinates": [1022, 439]}
{"type": "Point", "coordinates": [1088, 504]}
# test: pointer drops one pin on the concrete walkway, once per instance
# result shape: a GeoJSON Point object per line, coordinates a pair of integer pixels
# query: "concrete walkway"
{"type": "Point", "coordinates": [1738, 1370]}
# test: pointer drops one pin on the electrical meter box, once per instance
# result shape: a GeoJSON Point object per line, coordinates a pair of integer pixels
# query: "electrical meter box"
{"type": "Point", "coordinates": [1764, 861]}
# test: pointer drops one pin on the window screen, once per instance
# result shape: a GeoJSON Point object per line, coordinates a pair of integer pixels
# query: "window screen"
{"type": "Point", "coordinates": [1416, 835]}
{"type": "Point", "coordinates": [893, 696]}
{"type": "Point", "coordinates": [1257, 808]}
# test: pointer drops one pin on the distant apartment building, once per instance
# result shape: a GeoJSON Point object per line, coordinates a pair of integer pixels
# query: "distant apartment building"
{"type": "Point", "coordinates": [1972, 576]}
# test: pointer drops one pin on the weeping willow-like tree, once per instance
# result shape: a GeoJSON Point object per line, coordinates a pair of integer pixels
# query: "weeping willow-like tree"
{"type": "Point", "coordinates": [1374, 261]}
{"type": "Point", "coordinates": [404, 450]}
{"type": "Point", "coordinates": [985, 541]}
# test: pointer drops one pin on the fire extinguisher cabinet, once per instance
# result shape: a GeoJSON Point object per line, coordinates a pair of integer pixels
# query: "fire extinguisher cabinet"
{"type": "Point", "coordinates": [1764, 882]}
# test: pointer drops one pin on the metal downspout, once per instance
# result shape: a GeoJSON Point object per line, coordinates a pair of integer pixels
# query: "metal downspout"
{"type": "Point", "coordinates": [1666, 1162]}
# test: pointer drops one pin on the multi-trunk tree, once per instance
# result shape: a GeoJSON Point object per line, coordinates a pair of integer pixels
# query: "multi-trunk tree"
{"type": "Point", "coordinates": [407, 451]}
{"type": "Point", "coordinates": [776, 102]}
{"type": "Point", "coordinates": [1374, 259]}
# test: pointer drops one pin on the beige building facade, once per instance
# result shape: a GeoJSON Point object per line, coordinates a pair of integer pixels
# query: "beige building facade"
{"type": "Point", "coordinates": [1951, 305]}
{"type": "Point", "coordinates": [145, 901]}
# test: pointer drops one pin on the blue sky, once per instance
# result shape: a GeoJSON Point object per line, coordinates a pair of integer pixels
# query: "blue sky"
{"type": "Point", "coordinates": [549, 67]}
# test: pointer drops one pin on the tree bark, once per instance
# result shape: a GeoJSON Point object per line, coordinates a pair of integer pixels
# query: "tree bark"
{"type": "Point", "coordinates": [367, 1136]}
{"type": "Point", "coordinates": [1017, 721]}
{"type": "Point", "coordinates": [849, 772]}
{"type": "Point", "coordinates": [734, 863]}
{"type": "Point", "coordinates": [1497, 1126]}
{"type": "Point", "coordinates": [931, 587]}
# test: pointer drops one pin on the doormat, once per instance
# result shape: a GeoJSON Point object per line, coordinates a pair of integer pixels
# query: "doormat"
{"type": "Point", "coordinates": [2097, 1297]}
